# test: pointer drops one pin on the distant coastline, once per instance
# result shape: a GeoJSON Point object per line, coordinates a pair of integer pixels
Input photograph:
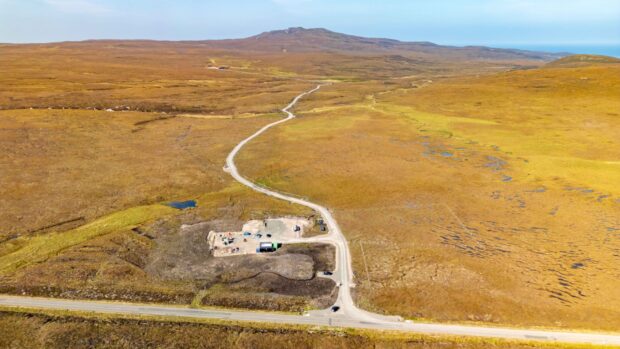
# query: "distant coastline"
{"type": "Point", "coordinates": [607, 50]}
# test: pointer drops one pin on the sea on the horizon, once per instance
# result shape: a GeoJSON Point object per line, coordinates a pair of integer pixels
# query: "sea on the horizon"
{"type": "Point", "coordinates": [606, 50]}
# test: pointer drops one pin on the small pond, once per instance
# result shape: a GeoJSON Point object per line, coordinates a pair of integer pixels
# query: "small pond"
{"type": "Point", "coordinates": [181, 205]}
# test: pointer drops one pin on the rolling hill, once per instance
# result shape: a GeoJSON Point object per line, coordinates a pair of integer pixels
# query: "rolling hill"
{"type": "Point", "coordinates": [574, 61]}
{"type": "Point", "coordinates": [320, 39]}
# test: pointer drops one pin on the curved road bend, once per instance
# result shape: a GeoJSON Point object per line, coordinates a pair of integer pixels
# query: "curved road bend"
{"type": "Point", "coordinates": [343, 261]}
{"type": "Point", "coordinates": [348, 315]}
{"type": "Point", "coordinates": [349, 312]}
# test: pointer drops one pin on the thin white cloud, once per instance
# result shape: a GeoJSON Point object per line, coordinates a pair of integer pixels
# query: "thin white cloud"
{"type": "Point", "coordinates": [78, 6]}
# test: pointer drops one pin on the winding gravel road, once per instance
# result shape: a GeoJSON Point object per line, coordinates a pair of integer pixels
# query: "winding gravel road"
{"type": "Point", "coordinates": [349, 314]}
{"type": "Point", "coordinates": [344, 269]}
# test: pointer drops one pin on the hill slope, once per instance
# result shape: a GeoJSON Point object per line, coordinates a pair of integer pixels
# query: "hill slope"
{"type": "Point", "coordinates": [319, 39]}
{"type": "Point", "coordinates": [574, 61]}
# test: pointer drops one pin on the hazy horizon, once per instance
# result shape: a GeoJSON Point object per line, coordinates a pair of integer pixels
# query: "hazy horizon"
{"type": "Point", "coordinates": [590, 26]}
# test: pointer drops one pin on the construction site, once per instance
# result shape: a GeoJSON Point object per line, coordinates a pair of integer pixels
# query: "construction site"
{"type": "Point", "coordinates": [257, 236]}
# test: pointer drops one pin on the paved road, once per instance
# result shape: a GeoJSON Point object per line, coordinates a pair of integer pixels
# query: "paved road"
{"type": "Point", "coordinates": [333, 320]}
{"type": "Point", "coordinates": [349, 314]}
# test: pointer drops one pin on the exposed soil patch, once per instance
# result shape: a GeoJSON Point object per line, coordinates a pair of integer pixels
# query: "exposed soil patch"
{"type": "Point", "coordinates": [169, 261]}
{"type": "Point", "coordinates": [274, 283]}
{"type": "Point", "coordinates": [322, 254]}
{"type": "Point", "coordinates": [139, 126]}
{"type": "Point", "coordinates": [273, 292]}
{"type": "Point", "coordinates": [284, 280]}
{"type": "Point", "coordinates": [315, 228]}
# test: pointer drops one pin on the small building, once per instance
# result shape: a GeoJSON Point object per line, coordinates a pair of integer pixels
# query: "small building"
{"type": "Point", "coordinates": [268, 247]}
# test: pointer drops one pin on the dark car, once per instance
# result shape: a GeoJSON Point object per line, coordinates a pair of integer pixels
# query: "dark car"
{"type": "Point", "coordinates": [335, 308]}
{"type": "Point", "coordinates": [328, 273]}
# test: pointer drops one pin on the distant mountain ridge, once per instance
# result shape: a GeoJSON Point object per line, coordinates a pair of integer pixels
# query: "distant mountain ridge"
{"type": "Point", "coordinates": [298, 39]}
{"type": "Point", "coordinates": [320, 41]}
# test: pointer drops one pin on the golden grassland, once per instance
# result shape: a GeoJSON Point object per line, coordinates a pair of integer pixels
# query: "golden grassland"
{"type": "Point", "coordinates": [139, 76]}
{"type": "Point", "coordinates": [489, 198]}
{"type": "Point", "coordinates": [29, 250]}
{"type": "Point", "coordinates": [67, 164]}
{"type": "Point", "coordinates": [82, 179]}
{"type": "Point", "coordinates": [561, 120]}
{"type": "Point", "coordinates": [106, 259]}
{"type": "Point", "coordinates": [465, 195]}
{"type": "Point", "coordinates": [53, 329]}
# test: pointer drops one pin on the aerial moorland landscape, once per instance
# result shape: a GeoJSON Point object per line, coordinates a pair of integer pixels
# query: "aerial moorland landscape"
{"type": "Point", "coordinates": [302, 187]}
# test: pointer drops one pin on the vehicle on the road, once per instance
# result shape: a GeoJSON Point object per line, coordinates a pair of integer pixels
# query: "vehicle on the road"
{"type": "Point", "coordinates": [335, 309]}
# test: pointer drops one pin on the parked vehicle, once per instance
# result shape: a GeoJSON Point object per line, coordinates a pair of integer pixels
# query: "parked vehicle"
{"type": "Point", "coordinates": [335, 309]}
{"type": "Point", "coordinates": [328, 273]}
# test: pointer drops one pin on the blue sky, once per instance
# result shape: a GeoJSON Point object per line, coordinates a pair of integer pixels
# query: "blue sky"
{"type": "Point", "coordinates": [458, 22]}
